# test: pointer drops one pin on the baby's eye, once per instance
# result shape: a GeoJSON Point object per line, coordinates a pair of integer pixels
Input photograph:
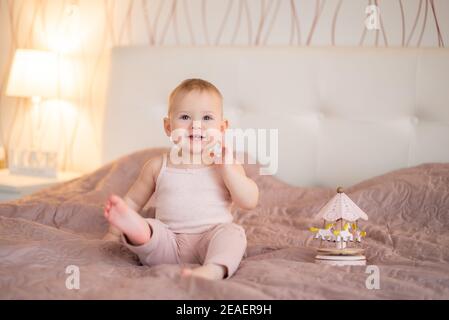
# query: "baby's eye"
{"type": "Point", "coordinates": [208, 118]}
{"type": "Point", "coordinates": [184, 117]}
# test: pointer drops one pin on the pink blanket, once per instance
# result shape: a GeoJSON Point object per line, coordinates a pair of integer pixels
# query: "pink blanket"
{"type": "Point", "coordinates": [408, 239]}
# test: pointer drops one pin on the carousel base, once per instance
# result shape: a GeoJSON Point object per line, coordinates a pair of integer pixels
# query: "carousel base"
{"type": "Point", "coordinates": [332, 260]}
{"type": "Point", "coordinates": [341, 257]}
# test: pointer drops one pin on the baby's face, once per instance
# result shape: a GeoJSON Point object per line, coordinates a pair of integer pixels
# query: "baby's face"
{"type": "Point", "coordinates": [195, 115]}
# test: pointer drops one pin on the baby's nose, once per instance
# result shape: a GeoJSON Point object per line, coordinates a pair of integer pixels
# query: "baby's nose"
{"type": "Point", "coordinates": [196, 124]}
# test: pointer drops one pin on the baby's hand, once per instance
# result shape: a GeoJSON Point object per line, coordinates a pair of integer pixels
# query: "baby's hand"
{"type": "Point", "coordinates": [217, 150]}
{"type": "Point", "coordinates": [220, 154]}
{"type": "Point", "coordinates": [211, 152]}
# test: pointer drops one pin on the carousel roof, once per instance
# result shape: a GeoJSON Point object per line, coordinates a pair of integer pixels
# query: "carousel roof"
{"type": "Point", "coordinates": [341, 207]}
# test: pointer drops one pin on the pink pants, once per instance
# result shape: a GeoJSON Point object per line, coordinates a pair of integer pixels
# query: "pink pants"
{"type": "Point", "coordinates": [223, 244]}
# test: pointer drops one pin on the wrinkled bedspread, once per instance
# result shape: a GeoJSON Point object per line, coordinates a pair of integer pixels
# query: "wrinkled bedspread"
{"type": "Point", "coordinates": [408, 239]}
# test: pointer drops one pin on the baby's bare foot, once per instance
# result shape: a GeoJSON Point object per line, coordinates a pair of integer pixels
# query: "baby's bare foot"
{"type": "Point", "coordinates": [127, 221]}
{"type": "Point", "coordinates": [208, 271]}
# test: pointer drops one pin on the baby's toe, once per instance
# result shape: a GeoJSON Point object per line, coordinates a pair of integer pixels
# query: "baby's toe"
{"type": "Point", "coordinates": [114, 200]}
{"type": "Point", "coordinates": [186, 272]}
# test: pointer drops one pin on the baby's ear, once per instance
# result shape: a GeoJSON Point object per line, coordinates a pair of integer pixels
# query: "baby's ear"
{"type": "Point", "coordinates": [224, 124]}
{"type": "Point", "coordinates": [167, 127]}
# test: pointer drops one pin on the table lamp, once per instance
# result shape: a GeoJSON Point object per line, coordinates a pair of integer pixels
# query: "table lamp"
{"type": "Point", "coordinates": [34, 75]}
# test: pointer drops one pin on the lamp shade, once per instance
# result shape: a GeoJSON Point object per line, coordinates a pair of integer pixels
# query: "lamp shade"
{"type": "Point", "coordinates": [33, 73]}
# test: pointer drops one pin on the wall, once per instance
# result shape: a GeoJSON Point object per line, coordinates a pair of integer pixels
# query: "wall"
{"type": "Point", "coordinates": [85, 30]}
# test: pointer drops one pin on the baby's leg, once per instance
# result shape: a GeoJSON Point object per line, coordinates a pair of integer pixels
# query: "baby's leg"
{"type": "Point", "coordinates": [127, 221]}
{"type": "Point", "coordinates": [209, 271]}
{"type": "Point", "coordinates": [222, 250]}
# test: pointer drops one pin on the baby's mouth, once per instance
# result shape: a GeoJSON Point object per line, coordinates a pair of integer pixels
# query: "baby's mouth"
{"type": "Point", "coordinates": [196, 137]}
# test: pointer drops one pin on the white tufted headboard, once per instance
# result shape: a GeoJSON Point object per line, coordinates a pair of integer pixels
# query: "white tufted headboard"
{"type": "Point", "coordinates": [343, 114]}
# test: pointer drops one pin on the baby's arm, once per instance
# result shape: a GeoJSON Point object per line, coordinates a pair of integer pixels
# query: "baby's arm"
{"type": "Point", "coordinates": [141, 190]}
{"type": "Point", "coordinates": [244, 191]}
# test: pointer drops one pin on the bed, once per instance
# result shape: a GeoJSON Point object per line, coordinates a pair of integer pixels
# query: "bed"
{"type": "Point", "coordinates": [375, 121]}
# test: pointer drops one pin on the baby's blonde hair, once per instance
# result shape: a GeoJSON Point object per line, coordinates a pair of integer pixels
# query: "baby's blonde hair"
{"type": "Point", "coordinates": [189, 85]}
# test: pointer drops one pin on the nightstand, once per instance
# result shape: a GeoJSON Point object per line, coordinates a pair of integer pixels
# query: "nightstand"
{"type": "Point", "coordinates": [13, 186]}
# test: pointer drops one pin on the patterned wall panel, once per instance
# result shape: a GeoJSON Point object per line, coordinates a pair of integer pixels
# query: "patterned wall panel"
{"type": "Point", "coordinates": [85, 30]}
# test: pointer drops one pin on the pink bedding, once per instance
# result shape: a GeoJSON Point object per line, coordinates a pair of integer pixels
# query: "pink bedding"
{"type": "Point", "coordinates": [408, 239]}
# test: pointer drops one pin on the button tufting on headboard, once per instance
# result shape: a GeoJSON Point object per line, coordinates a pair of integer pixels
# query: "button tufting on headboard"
{"type": "Point", "coordinates": [414, 120]}
{"type": "Point", "coordinates": [320, 115]}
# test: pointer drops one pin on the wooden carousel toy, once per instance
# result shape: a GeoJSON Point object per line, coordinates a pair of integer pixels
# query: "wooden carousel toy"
{"type": "Point", "coordinates": [340, 238]}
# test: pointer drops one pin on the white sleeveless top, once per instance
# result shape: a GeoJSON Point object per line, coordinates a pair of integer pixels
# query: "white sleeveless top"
{"type": "Point", "coordinates": [191, 200]}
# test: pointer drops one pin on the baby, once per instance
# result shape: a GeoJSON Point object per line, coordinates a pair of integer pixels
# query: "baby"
{"type": "Point", "coordinates": [193, 222]}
